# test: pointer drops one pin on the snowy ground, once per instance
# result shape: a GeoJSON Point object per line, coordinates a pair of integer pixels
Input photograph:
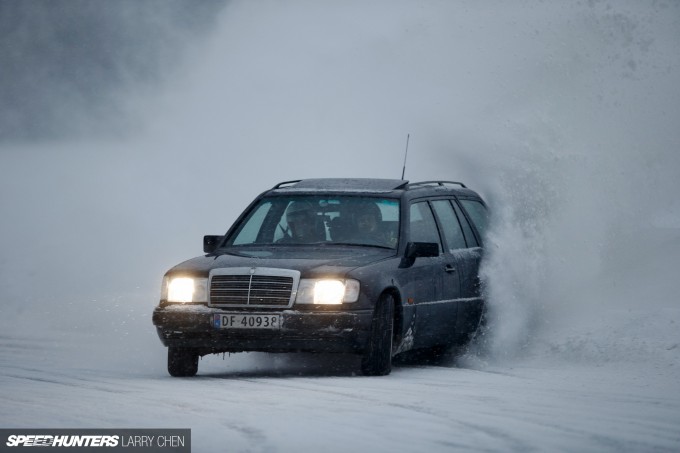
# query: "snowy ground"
{"type": "Point", "coordinates": [303, 402]}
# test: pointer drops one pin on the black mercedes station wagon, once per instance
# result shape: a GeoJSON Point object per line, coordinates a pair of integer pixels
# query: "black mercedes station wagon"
{"type": "Point", "coordinates": [376, 267]}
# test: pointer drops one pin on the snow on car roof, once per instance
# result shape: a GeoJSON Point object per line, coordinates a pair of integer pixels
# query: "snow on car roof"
{"type": "Point", "coordinates": [344, 184]}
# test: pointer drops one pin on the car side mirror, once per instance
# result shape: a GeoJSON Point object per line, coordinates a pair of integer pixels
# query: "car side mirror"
{"type": "Point", "coordinates": [211, 242]}
{"type": "Point", "coordinates": [421, 249]}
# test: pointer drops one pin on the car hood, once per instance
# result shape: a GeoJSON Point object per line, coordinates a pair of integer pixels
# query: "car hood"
{"type": "Point", "coordinates": [311, 262]}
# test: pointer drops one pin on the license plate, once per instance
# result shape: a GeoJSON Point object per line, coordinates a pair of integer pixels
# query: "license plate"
{"type": "Point", "coordinates": [249, 321]}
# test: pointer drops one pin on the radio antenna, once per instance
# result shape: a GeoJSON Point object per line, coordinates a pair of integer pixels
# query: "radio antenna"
{"type": "Point", "coordinates": [405, 155]}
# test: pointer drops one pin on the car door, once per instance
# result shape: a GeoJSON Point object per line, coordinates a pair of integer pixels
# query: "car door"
{"type": "Point", "coordinates": [454, 261]}
{"type": "Point", "coordinates": [432, 316]}
{"type": "Point", "coordinates": [472, 304]}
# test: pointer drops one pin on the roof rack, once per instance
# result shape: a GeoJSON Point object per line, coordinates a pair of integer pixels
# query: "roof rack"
{"type": "Point", "coordinates": [344, 184]}
{"type": "Point", "coordinates": [438, 183]}
{"type": "Point", "coordinates": [285, 183]}
{"type": "Point", "coordinates": [377, 183]}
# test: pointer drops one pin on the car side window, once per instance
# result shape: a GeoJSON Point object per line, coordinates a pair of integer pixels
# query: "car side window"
{"type": "Point", "coordinates": [469, 235]}
{"type": "Point", "coordinates": [449, 223]}
{"type": "Point", "coordinates": [422, 224]}
{"type": "Point", "coordinates": [478, 213]}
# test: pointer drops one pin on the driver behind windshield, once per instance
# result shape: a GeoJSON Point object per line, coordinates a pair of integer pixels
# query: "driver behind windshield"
{"type": "Point", "coordinates": [301, 219]}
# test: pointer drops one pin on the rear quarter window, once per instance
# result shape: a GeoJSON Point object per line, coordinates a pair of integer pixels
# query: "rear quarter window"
{"type": "Point", "coordinates": [478, 214]}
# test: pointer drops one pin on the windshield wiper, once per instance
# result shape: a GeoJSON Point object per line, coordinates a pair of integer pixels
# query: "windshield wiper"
{"type": "Point", "coordinates": [356, 244]}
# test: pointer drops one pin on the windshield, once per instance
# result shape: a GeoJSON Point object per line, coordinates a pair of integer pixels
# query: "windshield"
{"type": "Point", "coordinates": [370, 221]}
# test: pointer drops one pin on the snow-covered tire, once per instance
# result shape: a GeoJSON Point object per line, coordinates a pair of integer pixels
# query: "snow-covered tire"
{"type": "Point", "coordinates": [377, 360]}
{"type": "Point", "coordinates": [182, 362]}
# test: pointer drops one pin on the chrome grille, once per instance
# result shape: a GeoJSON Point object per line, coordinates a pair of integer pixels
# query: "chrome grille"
{"type": "Point", "coordinates": [252, 289]}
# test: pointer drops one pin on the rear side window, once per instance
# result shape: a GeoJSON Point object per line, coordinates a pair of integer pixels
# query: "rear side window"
{"type": "Point", "coordinates": [469, 235]}
{"type": "Point", "coordinates": [478, 213]}
{"type": "Point", "coordinates": [449, 222]}
{"type": "Point", "coordinates": [423, 226]}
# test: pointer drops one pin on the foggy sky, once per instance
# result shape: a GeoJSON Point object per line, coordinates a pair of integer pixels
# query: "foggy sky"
{"type": "Point", "coordinates": [73, 68]}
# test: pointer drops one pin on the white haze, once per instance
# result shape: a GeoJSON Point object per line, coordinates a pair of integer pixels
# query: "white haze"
{"type": "Point", "coordinates": [563, 115]}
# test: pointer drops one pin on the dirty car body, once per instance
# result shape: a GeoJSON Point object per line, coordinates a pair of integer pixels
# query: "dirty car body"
{"type": "Point", "coordinates": [374, 267]}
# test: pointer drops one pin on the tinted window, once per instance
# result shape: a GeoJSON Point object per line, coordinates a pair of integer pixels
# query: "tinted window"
{"type": "Point", "coordinates": [478, 213]}
{"type": "Point", "coordinates": [469, 235]}
{"type": "Point", "coordinates": [423, 226]}
{"type": "Point", "coordinates": [449, 223]}
{"type": "Point", "coordinates": [307, 219]}
{"type": "Point", "coordinates": [251, 228]}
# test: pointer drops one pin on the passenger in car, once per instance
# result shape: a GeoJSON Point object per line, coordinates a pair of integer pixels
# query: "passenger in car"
{"type": "Point", "coordinates": [368, 223]}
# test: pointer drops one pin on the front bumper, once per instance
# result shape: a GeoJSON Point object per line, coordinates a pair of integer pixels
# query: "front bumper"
{"type": "Point", "coordinates": [191, 326]}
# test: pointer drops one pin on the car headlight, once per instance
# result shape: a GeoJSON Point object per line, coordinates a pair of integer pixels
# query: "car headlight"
{"type": "Point", "coordinates": [327, 291]}
{"type": "Point", "coordinates": [185, 289]}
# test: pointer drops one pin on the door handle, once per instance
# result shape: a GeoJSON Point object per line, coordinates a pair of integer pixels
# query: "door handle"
{"type": "Point", "coordinates": [449, 268]}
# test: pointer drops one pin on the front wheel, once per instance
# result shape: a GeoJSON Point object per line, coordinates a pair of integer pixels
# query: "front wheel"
{"type": "Point", "coordinates": [377, 360]}
{"type": "Point", "coordinates": [182, 362]}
